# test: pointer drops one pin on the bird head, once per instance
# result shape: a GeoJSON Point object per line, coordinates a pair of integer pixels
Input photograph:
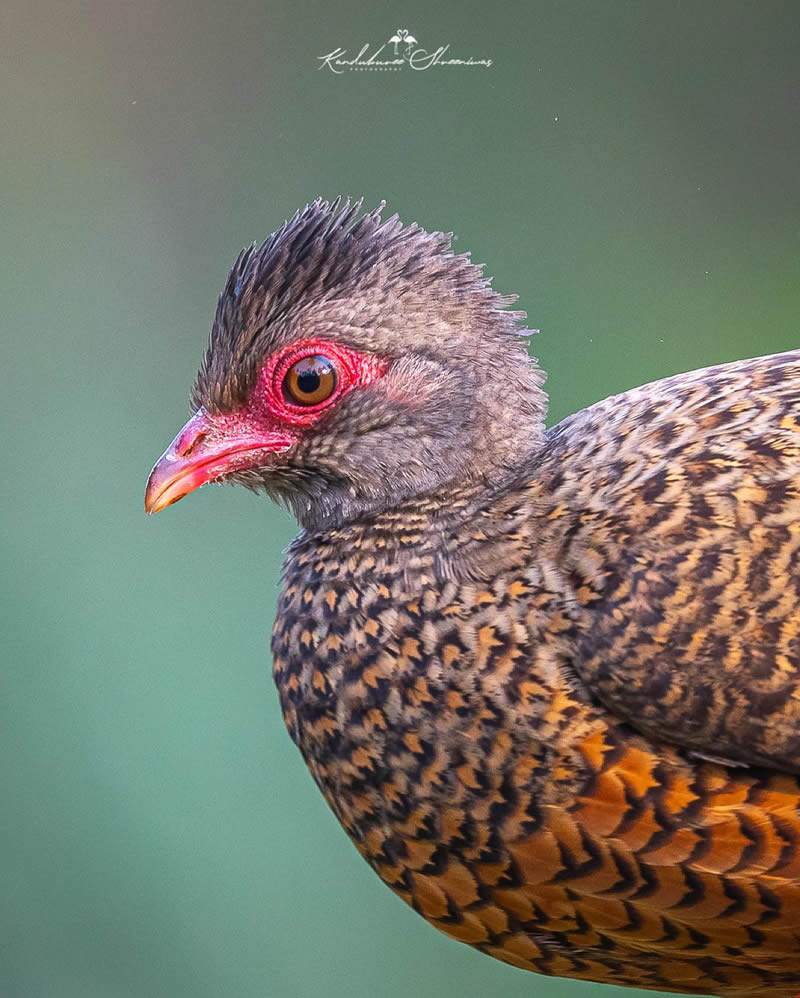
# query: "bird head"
{"type": "Point", "coordinates": [355, 363]}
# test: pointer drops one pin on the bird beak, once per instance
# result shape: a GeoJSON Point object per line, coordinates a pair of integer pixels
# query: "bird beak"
{"type": "Point", "coordinates": [207, 450]}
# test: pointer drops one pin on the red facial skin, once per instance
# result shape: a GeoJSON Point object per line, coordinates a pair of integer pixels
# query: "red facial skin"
{"type": "Point", "coordinates": [213, 445]}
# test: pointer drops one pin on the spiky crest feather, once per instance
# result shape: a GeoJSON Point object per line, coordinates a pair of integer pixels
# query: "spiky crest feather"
{"type": "Point", "coordinates": [327, 252]}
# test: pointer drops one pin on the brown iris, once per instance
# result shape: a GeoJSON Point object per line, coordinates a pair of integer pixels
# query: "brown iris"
{"type": "Point", "coordinates": [310, 381]}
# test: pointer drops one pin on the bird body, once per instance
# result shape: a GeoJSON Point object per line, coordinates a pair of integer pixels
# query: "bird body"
{"type": "Point", "coordinates": [548, 681]}
{"type": "Point", "coordinates": [430, 665]}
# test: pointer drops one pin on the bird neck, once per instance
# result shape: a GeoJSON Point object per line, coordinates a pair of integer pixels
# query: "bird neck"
{"type": "Point", "coordinates": [453, 533]}
{"type": "Point", "coordinates": [341, 507]}
{"type": "Point", "coordinates": [445, 491]}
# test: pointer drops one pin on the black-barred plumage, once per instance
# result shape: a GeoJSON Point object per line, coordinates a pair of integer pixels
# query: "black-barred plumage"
{"type": "Point", "coordinates": [548, 681]}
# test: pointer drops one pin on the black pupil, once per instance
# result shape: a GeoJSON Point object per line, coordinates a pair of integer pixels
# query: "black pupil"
{"type": "Point", "coordinates": [308, 381]}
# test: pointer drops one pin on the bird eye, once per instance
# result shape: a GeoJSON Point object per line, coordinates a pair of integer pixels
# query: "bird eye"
{"type": "Point", "coordinates": [310, 381]}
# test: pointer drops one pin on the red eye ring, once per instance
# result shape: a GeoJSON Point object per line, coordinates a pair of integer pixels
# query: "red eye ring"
{"type": "Point", "coordinates": [345, 363]}
{"type": "Point", "coordinates": [354, 369]}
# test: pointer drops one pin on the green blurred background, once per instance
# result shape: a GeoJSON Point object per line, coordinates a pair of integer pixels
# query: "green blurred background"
{"type": "Point", "coordinates": [631, 169]}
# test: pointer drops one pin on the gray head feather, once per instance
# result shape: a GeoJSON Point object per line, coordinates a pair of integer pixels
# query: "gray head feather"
{"type": "Point", "coordinates": [462, 399]}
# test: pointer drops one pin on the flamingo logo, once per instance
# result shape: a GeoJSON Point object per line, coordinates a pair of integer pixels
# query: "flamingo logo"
{"type": "Point", "coordinates": [402, 37]}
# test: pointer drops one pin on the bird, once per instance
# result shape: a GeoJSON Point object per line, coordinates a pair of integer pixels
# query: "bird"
{"type": "Point", "coordinates": [546, 678]}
